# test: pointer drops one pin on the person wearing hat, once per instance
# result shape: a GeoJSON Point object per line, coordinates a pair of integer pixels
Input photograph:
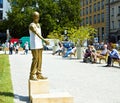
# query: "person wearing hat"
{"type": "Point", "coordinates": [36, 46]}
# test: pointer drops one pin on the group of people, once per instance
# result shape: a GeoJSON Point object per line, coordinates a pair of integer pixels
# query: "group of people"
{"type": "Point", "coordinates": [14, 47]}
{"type": "Point", "coordinates": [110, 51]}
{"type": "Point", "coordinates": [65, 49]}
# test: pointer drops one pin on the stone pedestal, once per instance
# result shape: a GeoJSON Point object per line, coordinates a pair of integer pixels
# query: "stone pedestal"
{"type": "Point", "coordinates": [39, 92]}
{"type": "Point", "coordinates": [58, 97]}
{"type": "Point", "coordinates": [38, 87]}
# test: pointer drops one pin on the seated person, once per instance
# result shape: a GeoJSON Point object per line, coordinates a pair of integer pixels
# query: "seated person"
{"type": "Point", "coordinates": [93, 54]}
{"type": "Point", "coordinates": [103, 52]}
{"type": "Point", "coordinates": [70, 51]}
{"type": "Point", "coordinates": [113, 54]}
{"type": "Point", "coordinates": [87, 52]}
{"type": "Point", "coordinates": [87, 55]}
{"type": "Point", "coordinates": [60, 49]}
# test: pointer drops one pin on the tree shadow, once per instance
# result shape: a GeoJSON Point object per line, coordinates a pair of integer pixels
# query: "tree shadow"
{"type": "Point", "coordinates": [15, 96]}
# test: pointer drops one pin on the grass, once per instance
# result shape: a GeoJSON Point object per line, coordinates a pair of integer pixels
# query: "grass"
{"type": "Point", "coordinates": [6, 90]}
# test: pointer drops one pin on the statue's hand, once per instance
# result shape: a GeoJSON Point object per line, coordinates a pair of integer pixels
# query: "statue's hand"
{"type": "Point", "coordinates": [47, 42]}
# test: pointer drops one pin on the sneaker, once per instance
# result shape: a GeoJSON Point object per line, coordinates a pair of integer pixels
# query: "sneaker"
{"type": "Point", "coordinates": [33, 77]}
{"type": "Point", "coordinates": [107, 65]}
{"type": "Point", "coordinates": [39, 76]}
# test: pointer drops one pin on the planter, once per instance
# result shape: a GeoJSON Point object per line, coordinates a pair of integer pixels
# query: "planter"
{"type": "Point", "coordinates": [54, 48]}
{"type": "Point", "coordinates": [80, 52]}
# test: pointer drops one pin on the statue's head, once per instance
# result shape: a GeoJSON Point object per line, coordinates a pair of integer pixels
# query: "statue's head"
{"type": "Point", "coordinates": [36, 16]}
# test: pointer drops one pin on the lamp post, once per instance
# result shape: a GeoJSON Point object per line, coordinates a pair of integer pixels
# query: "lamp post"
{"type": "Point", "coordinates": [109, 18]}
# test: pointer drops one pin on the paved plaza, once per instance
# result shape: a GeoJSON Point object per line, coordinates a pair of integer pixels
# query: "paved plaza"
{"type": "Point", "coordinates": [87, 83]}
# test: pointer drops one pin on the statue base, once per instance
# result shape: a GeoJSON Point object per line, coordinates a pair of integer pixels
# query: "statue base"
{"type": "Point", "coordinates": [38, 87]}
{"type": "Point", "coordinates": [56, 97]}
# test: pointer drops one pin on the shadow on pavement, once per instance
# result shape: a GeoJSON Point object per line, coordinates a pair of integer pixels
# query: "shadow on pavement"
{"type": "Point", "coordinates": [20, 98]}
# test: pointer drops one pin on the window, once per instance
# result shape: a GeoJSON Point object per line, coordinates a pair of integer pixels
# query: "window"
{"type": "Point", "coordinates": [90, 9]}
{"type": "Point", "coordinates": [83, 21]}
{"type": "Point", "coordinates": [112, 12]}
{"type": "Point", "coordinates": [95, 7]}
{"type": "Point", "coordinates": [81, 3]}
{"type": "Point", "coordinates": [1, 14]}
{"type": "Point", "coordinates": [90, 20]}
{"type": "Point", "coordinates": [98, 17]}
{"type": "Point", "coordinates": [112, 25]}
{"type": "Point", "coordinates": [102, 4]}
{"type": "Point", "coordinates": [118, 9]}
{"type": "Point", "coordinates": [86, 2]}
{"type": "Point", "coordinates": [98, 5]}
{"type": "Point", "coordinates": [83, 11]}
{"type": "Point", "coordinates": [86, 20]}
{"type": "Point", "coordinates": [94, 19]}
{"type": "Point", "coordinates": [86, 10]}
{"type": "Point", "coordinates": [102, 33]}
{"type": "Point", "coordinates": [112, 0]}
{"type": "Point", "coordinates": [118, 23]}
{"type": "Point", "coordinates": [90, 1]}
{"type": "Point", "coordinates": [102, 17]}
{"type": "Point", "coordinates": [1, 3]}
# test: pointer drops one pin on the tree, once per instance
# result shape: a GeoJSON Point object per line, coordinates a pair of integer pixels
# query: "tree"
{"type": "Point", "coordinates": [79, 35]}
{"type": "Point", "coordinates": [56, 34]}
{"type": "Point", "coordinates": [54, 14]}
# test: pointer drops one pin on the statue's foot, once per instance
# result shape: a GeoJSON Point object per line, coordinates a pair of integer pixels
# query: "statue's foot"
{"type": "Point", "coordinates": [33, 77]}
{"type": "Point", "coordinates": [39, 76]}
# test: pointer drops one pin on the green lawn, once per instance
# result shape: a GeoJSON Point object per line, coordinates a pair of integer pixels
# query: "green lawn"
{"type": "Point", "coordinates": [6, 90]}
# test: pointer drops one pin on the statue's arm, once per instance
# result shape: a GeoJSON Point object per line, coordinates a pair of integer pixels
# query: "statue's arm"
{"type": "Point", "coordinates": [34, 30]}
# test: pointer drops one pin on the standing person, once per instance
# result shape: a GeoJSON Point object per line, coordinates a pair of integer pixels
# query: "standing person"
{"type": "Point", "coordinates": [26, 46]}
{"type": "Point", "coordinates": [11, 48]}
{"type": "Point", "coordinates": [36, 46]}
{"type": "Point", "coordinates": [17, 48]}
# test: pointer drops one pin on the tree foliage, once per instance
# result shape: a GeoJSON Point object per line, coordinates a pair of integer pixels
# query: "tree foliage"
{"type": "Point", "coordinates": [54, 14]}
{"type": "Point", "coordinates": [79, 35]}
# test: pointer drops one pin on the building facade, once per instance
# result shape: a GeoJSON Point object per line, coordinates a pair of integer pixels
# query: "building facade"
{"type": "Point", "coordinates": [115, 20]}
{"type": "Point", "coordinates": [4, 7]}
{"type": "Point", "coordinates": [93, 13]}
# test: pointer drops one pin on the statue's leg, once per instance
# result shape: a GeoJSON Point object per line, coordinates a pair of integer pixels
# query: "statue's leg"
{"type": "Point", "coordinates": [34, 65]}
{"type": "Point", "coordinates": [39, 65]}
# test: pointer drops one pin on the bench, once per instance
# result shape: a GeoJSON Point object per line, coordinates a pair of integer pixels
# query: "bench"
{"type": "Point", "coordinates": [115, 60]}
{"type": "Point", "coordinates": [73, 54]}
{"type": "Point", "coordinates": [103, 58]}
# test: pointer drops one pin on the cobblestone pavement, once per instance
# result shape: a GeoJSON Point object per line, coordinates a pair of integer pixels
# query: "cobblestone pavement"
{"type": "Point", "coordinates": [87, 83]}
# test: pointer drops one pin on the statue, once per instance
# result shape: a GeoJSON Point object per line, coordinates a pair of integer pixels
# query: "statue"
{"type": "Point", "coordinates": [36, 47]}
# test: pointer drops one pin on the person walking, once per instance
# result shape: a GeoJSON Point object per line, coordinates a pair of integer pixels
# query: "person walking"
{"type": "Point", "coordinates": [36, 47]}
{"type": "Point", "coordinates": [26, 48]}
{"type": "Point", "coordinates": [11, 48]}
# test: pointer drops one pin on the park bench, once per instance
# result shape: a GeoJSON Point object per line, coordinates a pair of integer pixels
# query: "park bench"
{"type": "Point", "coordinates": [100, 58]}
{"type": "Point", "coordinates": [73, 54]}
{"type": "Point", "coordinates": [115, 60]}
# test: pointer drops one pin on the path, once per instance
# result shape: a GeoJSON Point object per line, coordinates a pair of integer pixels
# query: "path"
{"type": "Point", "coordinates": [88, 83]}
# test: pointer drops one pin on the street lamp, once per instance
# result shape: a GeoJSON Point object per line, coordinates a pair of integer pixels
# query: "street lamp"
{"type": "Point", "coordinates": [109, 18]}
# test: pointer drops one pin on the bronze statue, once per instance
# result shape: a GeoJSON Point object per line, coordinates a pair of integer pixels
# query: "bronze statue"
{"type": "Point", "coordinates": [36, 46]}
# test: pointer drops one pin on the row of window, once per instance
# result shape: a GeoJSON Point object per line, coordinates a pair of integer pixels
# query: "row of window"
{"type": "Point", "coordinates": [113, 11]}
{"type": "Point", "coordinates": [91, 8]}
{"type": "Point", "coordinates": [86, 2]}
{"type": "Point", "coordinates": [113, 24]}
{"type": "Point", "coordinates": [83, 3]}
{"type": "Point", "coordinates": [93, 19]}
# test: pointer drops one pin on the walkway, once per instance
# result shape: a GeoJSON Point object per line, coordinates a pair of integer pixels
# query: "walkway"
{"type": "Point", "coordinates": [88, 83]}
